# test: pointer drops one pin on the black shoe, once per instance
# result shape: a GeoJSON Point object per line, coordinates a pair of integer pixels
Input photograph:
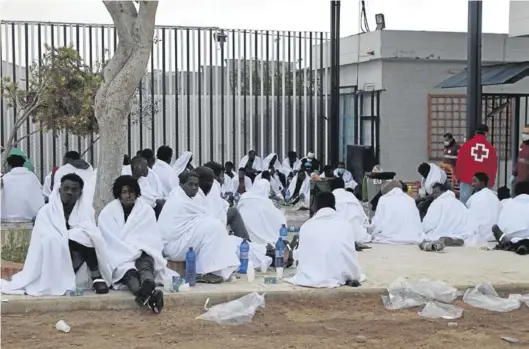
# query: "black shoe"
{"type": "Point", "coordinates": [522, 250]}
{"type": "Point", "coordinates": [496, 231]}
{"type": "Point", "coordinates": [100, 286]}
{"type": "Point", "coordinates": [147, 288]}
{"type": "Point", "coordinates": [156, 301]}
{"type": "Point", "coordinates": [209, 279]}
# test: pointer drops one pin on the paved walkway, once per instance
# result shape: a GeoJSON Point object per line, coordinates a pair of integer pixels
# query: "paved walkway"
{"type": "Point", "coordinates": [461, 267]}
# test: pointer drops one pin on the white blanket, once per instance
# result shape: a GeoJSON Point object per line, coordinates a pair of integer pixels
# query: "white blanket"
{"type": "Point", "coordinates": [266, 162]}
{"type": "Point", "coordinates": [349, 208]}
{"type": "Point", "coordinates": [167, 176]}
{"type": "Point", "coordinates": [181, 163]}
{"type": "Point", "coordinates": [275, 184]}
{"type": "Point", "coordinates": [396, 220]}
{"type": "Point", "coordinates": [326, 252]}
{"type": "Point", "coordinates": [262, 219]}
{"type": "Point", "coordinates": [234, 184]}
{"type": "Point", "coordinates": [148, 194]}
{"type": "Point", "coordinates": [256, 163]}
{"type": "Point", "coordinates": [304, 189]}
{"type": "Point", "coordinates": [436, 175]}
{"type": "Point", "coordinates": [484, 209]}
{"type": "Point", "coordinates": [226, 185]}
{"type": "Point", "coordinates": [86, 175]}
{"type": "Point", "coordinates": [48, 266]}
{"type": "Point", "coordinates": [514, 218]}
{"type": "Point", "coordinates": [448, 217]}
{"type": "Point", "coordinates": [127, 240]}
{"type": "Point", "coordinates": [46, 187]}
{"type": "Point", "coordinates": [287, 169]}
{"type": "Point", "coordinates": [186, 222]}
{"type": "Point", "coordinates": [217, 206]}
{"type": "Point", "coordinates": [21, 195]}
{"type": "Point", "coordinates": [347, 178]}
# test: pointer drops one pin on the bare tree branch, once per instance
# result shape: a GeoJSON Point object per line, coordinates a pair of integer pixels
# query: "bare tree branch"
{"type": "Point", "coordinates": [27, 136]}
{"type": "Point", "coordinates": [90, 146]}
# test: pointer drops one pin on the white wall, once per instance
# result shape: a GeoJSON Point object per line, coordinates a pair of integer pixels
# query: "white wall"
{"type": "Point", "coordinates": [518, 18]}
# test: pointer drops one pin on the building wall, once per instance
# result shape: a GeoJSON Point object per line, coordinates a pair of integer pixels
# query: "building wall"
{"type": "Point", "coordinates": [518, 18]}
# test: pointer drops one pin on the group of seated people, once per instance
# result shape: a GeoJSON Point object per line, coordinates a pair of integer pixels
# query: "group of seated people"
{"type": "Point", "coordinates": [161, 210]}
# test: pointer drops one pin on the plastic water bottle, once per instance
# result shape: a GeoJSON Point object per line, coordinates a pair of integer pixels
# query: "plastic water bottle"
{"type": "Point", "coordinates": [191, 267]}
{"type": "Point", "coordinates": [279, 261]}
{"type": "Point", "coordinates": [243, 257]}
{"type": "Point", "coordinates": [283, 232]}
{"type": "Point", "coordinates": [287, 195]}
{"type": "Point", "coordinates": [236, 198]}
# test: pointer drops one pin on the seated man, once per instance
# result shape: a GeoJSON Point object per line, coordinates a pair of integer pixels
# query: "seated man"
{"type": "Point", "coordinates": [185, 222]}
{"type": "Point", "coordinates": [291, 165]}
{"type": "Point", "coordinates": [228, 169]}
{"type": "Point", "coordinates": [21, 192]}
{"type": "Point", "coordinates": [251, 164]}
{"type": "Point", "coordinates": [277, 179]}
{"type": "Point", "coordinates": [327, 172]}
{"type": "Point", "coordinates": [348, 206]}
{"type": "Point", "coordinates": [154, 181]}
{"type": "Point", "coordinates": [275, 185]}
{"type": "Point", "coordinates": [396, 219]}
{"type": "Point", "coordinates": [72, 163]}
{"type": "Point", "coordinates": [150, 196]}
{"type": "Point", "coordinates": [484, 208]}
{"type": "Point", "coordinates": [347, 176]}
{"type": "Point", "coordinates": [129, 228]}
{"type": "Point", "coordinates": [326, 260]}
{"type": "Point", "coordinates": [162, 168]}
{"type": "Point", "coordinates": [184, 163]}
{"type": "Point", "coordinates": [448, 219]}
{"type": "Point", "coordinates": [263, 220]}
{"type": "Point", "coordinates": [430, 174]}
{"type": "Point", "coordinates": [512, 230]}
{"type": "Point", "coordinates": [217, 205]}
{"type": "Point", "coordinates": [241, 183]}
{"type": "Point", "coordinates": [64, 238]}
{"type": "Point", "coordinates": [299, 189]}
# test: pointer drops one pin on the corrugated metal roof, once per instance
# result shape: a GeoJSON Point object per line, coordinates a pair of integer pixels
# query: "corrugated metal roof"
{"type": "Point", "coordinates": [498, 74]}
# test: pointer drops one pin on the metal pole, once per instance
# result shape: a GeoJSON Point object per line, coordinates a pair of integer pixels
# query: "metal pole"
{"type": "Point", "coordinates": [515, 131]}
{"type": "Point", "coordinates": [474, 67]}
{"type": "Point", "coordinates": [335, 82]}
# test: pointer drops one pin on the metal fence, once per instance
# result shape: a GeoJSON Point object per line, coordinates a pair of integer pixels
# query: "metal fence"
{"type": "Point", "coordinates": [217, 93]}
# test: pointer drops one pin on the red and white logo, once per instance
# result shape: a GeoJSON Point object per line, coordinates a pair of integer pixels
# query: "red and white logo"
{"type": "Point", "coordinates": [479, 152]}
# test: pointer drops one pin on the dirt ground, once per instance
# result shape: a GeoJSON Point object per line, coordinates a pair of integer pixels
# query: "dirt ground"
{"type": "Point", "coordinates": [360, 322]}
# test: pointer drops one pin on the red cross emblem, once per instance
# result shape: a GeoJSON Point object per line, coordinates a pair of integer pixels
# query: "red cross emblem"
{"type": "Point", "coordinates": [479, 152]}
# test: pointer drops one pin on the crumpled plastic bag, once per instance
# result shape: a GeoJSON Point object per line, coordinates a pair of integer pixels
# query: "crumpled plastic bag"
{"type": "Point", "coordinates": [485, 296]}
{"type": "Point", "coordinates": [236, 312]}
{"type": "Point", "coordinates": [404, 293]}
{"type": "Point", "coordinates": [437, 310]}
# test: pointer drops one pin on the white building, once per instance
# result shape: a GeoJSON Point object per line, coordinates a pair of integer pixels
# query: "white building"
{"type": "Point", "coordinates": [406, 66]}
{"type": "Point", "coordinates": [518, 18]}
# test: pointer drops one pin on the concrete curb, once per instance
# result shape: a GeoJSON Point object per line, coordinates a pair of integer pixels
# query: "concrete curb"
{"type": "Point", "coordinates": [119, 300]}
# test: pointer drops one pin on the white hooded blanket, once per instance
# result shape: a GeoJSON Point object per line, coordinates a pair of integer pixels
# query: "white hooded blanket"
{"type": "Point", "coordinates": [234, 184]}
{"type": "Point", "coordinates": [448, 217]}
{"type": "Point", "coordinates": [127, 240]}
{"type": "Point", "coordinates": [514, 218]}
{"type": "Point", "coordinates": [166, 175]}
{"type": "Point", "coordinates": [396, 220]}
{"type": "Point", "coordinates": [48, 268]}
{"type": "Point", "coordinates": [349, 208]}
{"type": "Point", "coordinates": [304, 189]}
{"type": "Point", "coordinates": [186, 222]}
{"type": "Point", "coordinates": [262, 219]}
{"type": "Point", "coordinates": [484, 208]}
{"type": "Point", "coordinates": [436, 175]}
{"type": "Point", "coordinates": [326, 260]}
{"type": "Point", "coordinates": [287, 169]}
{"type": "Point", "coordinates": [257, 162]}
{"type": "Point", "coordinates": [181, 163]}
{"type": "Point", "coordinates": [21, 195]}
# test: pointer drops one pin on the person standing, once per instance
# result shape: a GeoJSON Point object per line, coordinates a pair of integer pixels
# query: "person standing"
{"type": "Point", "coordinates": [476, 155]}
{"type": "Point", "coordinates": [451, 150]}
{"type": "Point", "coordinates": [520, 172]}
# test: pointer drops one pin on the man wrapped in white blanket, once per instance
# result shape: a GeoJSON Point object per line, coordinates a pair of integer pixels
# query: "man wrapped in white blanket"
{"type": "Point", "coordinates": [134, 242]}
{"type": "Point", "coordinates": [63, 240]}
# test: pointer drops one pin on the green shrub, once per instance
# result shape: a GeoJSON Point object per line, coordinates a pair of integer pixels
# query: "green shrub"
{"type": "Point", "coordinates": [15, 249]}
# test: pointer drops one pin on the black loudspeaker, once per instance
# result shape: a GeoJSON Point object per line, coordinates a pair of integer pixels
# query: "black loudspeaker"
{"type": "Point", "coordinates": [360, 159]}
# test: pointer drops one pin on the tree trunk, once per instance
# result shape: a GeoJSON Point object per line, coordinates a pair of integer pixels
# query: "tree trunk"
{"type": "Point", "coordinates": [121, 77]}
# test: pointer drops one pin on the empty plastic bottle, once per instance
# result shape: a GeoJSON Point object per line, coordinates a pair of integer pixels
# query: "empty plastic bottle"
{"type": "Point", "coordinates": [191, 267]}
{"type": "Point", "coordinates": [243, 256]}
{"type": "Point", "coordinates": [287, 195]}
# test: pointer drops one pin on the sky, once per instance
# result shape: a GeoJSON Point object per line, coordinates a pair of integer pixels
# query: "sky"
{"type": "Point", "coordinates": [309, 15]}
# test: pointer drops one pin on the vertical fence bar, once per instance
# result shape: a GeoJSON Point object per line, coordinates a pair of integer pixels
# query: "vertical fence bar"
{"type": "Point", "coordinates": [305, 94]}
{"type": "Point", "coordinates": [176, 95]}
{"type": "Point", "coordinates": [267, 79]}
{"type": "Point", "coordinates": [279, 92]}
{"type": "Point", "coordinates": [188, 88]}
{"type": "Point", "coordinates": [244, 95]}
{"type": "Point", "coordinates": [310, 97]}
{"type": "Point", "coordinates": [272, 126]}
{"type": "Point", "coordinates": [234, 95]}
{"type": "Point", "coordinates": [199, 93]}
{"type": "Point", "coordinates": [300, 86]}
{"type": "Point", "coordinates": [262, 78]}
{"type": "Point", "coordinates": [14, 72]}
{"type": "Point", "coordinates": [291, 86]}
{"type": "Point", "coordinates": [54, 134]}
{"type": "Point", "coordinates": [319, 134]}
{"type": "Point", "coordinates": [152, 86]}
{"type": "Point", "coordinates": [183, 86]}
{"type": "Point", "coordinates": [78, 48]}
{"type": "Point", "coordinates": [211, 92]}
{"type": "Point", "coordinates": [258, 82]}
{"type": "Point", "coordinates": [67, 137]}
{"type": "Point", "coordinates": [2, 126]}
{"type": "Point", "coordinates": [239, 137]}
{"type": "Point", "coordinates": [283, 96]}
{"type": "Point", "coordinates": [26, 60]}
{"type": "Point", "coordinates": [192, 107]}
{"type": "Point", "coordinates": [164, 91]}
{"type": "Point", "coordinates": [41, 134]}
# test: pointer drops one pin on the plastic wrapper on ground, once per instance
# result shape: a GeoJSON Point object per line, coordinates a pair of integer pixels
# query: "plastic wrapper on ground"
{"type": "Point", "coordinates": [236, 312]}
{"type": "Point", "coordinates": [437, 310]}
{"type": "Point", "coordinates": [484, 296]}
{"type": "Point", "coordinates": [404, 293]}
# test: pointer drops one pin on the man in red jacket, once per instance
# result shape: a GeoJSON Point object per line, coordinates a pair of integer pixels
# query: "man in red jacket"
{"type": "Point", "coordinates": [475, 155]}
